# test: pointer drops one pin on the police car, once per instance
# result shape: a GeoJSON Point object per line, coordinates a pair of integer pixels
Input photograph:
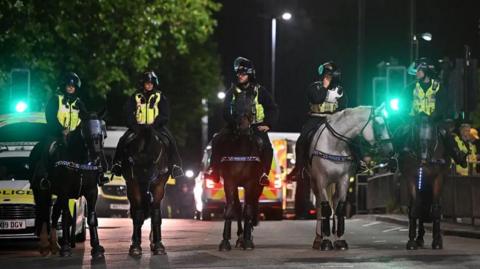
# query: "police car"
{"type": "Point", "coordinates": [17, 206]}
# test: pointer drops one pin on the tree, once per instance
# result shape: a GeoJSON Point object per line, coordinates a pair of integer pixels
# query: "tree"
{"type": "Point", "coordinates": [109, 43]}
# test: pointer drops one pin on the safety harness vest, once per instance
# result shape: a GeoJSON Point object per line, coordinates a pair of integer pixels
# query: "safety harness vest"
{"type": "Point", "coordinates": [68, 114]}
{"type": "Point", "coordinates": [471, 150]}
{"type": "Point", "coordinates": [325, 107]}
{"type": "Point", "coordinates": [424, 101]}
{"type": "Point", "coordinates": [147, 110]}
{"type": "Point", "coordinates": [257, 108]}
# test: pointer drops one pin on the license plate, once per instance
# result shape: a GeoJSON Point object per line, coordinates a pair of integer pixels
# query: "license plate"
{"type": "Point", "coordinates": [12, 224]}
{"type": "Point", "coordinates": [119, 206]}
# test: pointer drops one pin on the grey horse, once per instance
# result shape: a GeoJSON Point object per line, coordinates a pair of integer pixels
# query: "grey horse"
{"type": "Point", "coordinates": [332, 161]}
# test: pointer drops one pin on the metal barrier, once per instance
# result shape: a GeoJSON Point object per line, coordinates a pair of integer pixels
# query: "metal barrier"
{"type": "Point", "coordinates": [460, 196]}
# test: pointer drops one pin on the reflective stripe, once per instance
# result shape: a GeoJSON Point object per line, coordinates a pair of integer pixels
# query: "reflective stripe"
{"type": "Point", "coordinates": [424, 101]}
{"type": "Point", "coordinates": [68, 114]}
{"type": "Point", "coordinates": [324, 107]}
{"type": "Point", "coordinates": [146, 110]}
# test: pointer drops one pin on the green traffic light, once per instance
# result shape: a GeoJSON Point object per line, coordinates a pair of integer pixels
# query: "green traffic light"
{"type": "Point", "coordinates": [21, 107]}
{"type": "Point", "coordinates": [394, 104]}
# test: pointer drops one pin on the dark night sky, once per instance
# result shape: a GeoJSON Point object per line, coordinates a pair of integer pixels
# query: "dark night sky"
{"type": "Point", "coordinates": [327, 30]}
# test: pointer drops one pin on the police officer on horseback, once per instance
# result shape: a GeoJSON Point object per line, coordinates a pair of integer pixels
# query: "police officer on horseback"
{"type": "Point", "coordinates": [323, 97]}
{"type": "Point", "coordinates": [265, 116]}
{"type": "Point", "coordinates": [148, 107]}
{"type": "Point", "coordinates": [427, 102]}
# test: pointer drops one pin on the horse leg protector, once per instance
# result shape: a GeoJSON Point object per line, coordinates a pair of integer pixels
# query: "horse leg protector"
{"type": "Point", "coordinates": [412, 222]}
{"type": "Point", "coordinates": [138, 218]}
{"type": "Point", "coordinates": [248, 215]}
{"type": "Point", "coordinates": [436, 215]}
{"type": "Point", "coordinates": [156, 225]}
{"type": "Point", "coordinates": [92, 225]}
{"type": "Point", "coordinates": [326, 213]}
{"type": "Point", "coordinates": [340, 212]}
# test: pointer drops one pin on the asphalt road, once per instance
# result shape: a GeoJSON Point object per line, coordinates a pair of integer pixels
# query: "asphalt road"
{"type": "Point", "coordinates": [279, 244]}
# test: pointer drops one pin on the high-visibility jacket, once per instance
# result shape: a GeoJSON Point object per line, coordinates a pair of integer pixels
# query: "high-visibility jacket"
{"type": "Point", "coordinates": [471, 152]}
{"type": "Point", "coordinates": [68, 114]}
{"type": "Point", "coordinates": [257, 108]}
{"type": "Point", "coordinates": [424, 101]}
{"type": "Point", "coordinates": [147, 110]}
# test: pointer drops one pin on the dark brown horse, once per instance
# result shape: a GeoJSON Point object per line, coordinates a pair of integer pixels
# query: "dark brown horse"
{"type": "Point", "coordinates": [146, 171]}
{"type": "Point", "coordinates": [72, 170]}
{"type": "Point", "coordinates": [241, 167]}
{"type": "Point", "coordinates": [423, 163]}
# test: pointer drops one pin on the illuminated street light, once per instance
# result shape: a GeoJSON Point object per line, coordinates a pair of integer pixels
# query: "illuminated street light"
{"type": "Point", "coordinates": [221, 95]}
{"type": "Point", "coordinates": [189, 173]}
{"type": "Point", "coordinates": [286, 16]}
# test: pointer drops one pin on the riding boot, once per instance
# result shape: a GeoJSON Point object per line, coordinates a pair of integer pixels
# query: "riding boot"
{"type": "Point", "coordinates": [300, 149]}
{"type": "Point", "coordinates": [213, 171]}
{"type": "Point", "coordinates": [175, 162]}
{"type": "Point", "coordinates": [267, 165]}
{"type": "Point", "coordinates": [117, 159]}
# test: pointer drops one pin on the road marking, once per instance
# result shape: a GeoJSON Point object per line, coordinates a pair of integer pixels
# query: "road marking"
{"type": "Point", "coordinates": [380, 241]}
{"type": "Point", "coordinates": [371, 224]}
{"type": "Point", "coordinates": [392, 229]}
{"type": "Point", "coordinates": [404, 230]}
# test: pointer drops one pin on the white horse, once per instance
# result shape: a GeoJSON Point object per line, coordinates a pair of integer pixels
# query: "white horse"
{"type": "Point", "coordinates": [332, 161]}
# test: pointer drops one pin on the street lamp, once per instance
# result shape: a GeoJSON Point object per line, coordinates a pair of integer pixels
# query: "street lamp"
{"type": "Point", "coordinates": [204, 119]}
{"type": "Point", "coordinates": [286, 16]}
{"type": "Point", "coordinates": [415, 40]}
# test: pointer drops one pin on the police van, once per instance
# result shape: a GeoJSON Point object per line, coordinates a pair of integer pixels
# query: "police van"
{"type": "Point", "coordinates": [18, 135]}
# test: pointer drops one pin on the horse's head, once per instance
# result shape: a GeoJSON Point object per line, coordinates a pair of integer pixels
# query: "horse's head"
{"type": "Point", "coordinates": [376, 132]}
{"type": "Point", "coordinates": [146, 148]}
{"type": "Point", "coordinates": [93, 132]}
{"type": "Point", "coordinates": [243, 111]}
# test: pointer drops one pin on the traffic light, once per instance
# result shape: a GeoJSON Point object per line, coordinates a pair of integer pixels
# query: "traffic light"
{"type": "Point", "coordinates": [394, 104]}
{"type": "Point", "coordinates": [19, 89]}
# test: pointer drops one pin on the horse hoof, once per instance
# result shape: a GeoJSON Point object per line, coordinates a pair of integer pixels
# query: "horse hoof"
{"type": "Point", "coordinates": [65, 251]}
{"type": "Point", "coordinates": [135, 251]}
{"type": "Point", "coordinates": [326, 245]}
{"type": "Point", "coordinates": [420, 242]}
{"type": "Point", "coordinates": [44, 250]}
{"type": "Point", "coordinates": [54, 247]}
{"type": "Point", "coordinates": [248, 244]}
{"type": "Point", "coordinates": [158, 249]}
{"type": "Point", "coordinates": [240, 243]}
{"type": "Point", "coordinates": [340, 245]}
{"type": "Point", "coordinates": [316, 244]}
{"type": "Point", "coordinates": [225, 246]}
{"type": "Point", "coordinates": [98, 252]}
{"type": "Point", "coordinates": [412, 245]}
{"type": "Point", "coordinates": [437, 244]}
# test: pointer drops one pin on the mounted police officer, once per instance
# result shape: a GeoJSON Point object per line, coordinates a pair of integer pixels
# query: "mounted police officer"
{"type": "Point", "coordinates": [147, 107]}
{"type": "Point", "coordinates": [265, 113]}
{"type": "Point", "coordinates": [323, 97]}
{"type": "Point", "coordinates": [427, 106]}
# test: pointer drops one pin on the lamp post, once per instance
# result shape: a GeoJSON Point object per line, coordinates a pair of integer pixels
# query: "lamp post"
{"type": "Point", "coordinates": [286, 16]}
{"type": "Point", "coordinates": [415, 41]}
{"type": "Point", "coordinates": [204, 119]}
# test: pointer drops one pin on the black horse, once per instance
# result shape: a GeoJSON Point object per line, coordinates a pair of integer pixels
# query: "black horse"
{"type": "Point", "coordinates": [73, 168]}
{"type": "Point", "coordinates": [424, 161]}
{"type": "Point", "coordinates": [145, 168]}
{"type": "Point", "coordinates": [241, 167]}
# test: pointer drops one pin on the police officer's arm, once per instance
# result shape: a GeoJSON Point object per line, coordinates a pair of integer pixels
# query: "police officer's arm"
{"type": "Point", "coordinates": [130, 109]}
{"type": "Point", "coordinates": [163, 113]}
{"type": "Point", "coordinates": [269, 106]}
{"type": "Point", "coordinates": [51, 115]}
{"type": "Point", "coordinates": [227, 107]}
{"type": "Point", "coordinates": [83, 112]}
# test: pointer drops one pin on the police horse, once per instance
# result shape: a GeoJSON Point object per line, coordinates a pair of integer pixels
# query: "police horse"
{"type": "Point", "coordinates": [73, 169]}
{"type": "Point", "coordinates": [146, 171]}
{"type": "Point", "coordinates": [424, 161]}
{"type": "Point", "coordinates": [241, 167]}
{"type": "Point", "coordinates": [332, 162]}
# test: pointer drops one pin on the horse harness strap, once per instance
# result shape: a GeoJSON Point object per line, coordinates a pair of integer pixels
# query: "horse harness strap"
{"type": "Point", "coordinates": [77, 166]}
{"type": "Point", "coordinates": [331, 157]}
{"type": "Point", "coordinates": [240, 159]}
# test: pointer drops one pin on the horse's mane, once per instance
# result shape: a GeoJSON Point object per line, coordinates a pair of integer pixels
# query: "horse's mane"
{"type": "Point", "coordinates": [347, 113]}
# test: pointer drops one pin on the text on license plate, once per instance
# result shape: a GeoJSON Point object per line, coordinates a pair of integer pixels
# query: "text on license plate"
{"type": "Point", "coordinates": [12, 224]}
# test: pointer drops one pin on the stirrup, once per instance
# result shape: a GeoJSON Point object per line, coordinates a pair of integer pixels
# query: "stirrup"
{"type": "Point", "coordinates": [177, 171]}
{"type": "Point", "coordinates": [116, 169]}
{"type": "Point", "coordinates": [264, 181]}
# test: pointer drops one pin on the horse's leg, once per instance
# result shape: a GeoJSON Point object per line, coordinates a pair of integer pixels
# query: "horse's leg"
{"type": "Point", "coordinates": [42, 218]}
{"type": "Point", "coordinates": [339, 203]}
{"type": "Point", "coordinates": [138, 216]}
{"type": "Point", "coordinates": [253, 190]}
{"type": "Point", "coordinates": [413, 213]}
{"type": "Point", "coordinates": [229, 214]}
{"type": "Point", "coordinates": [65, 249]}
{"type": "Point", "coordinates": [421, 233]}
{"type": "Point", "coordinates": [97, 250]}
{"type": "Point", "coordinates": [437, 242]}
{"type": "Point", "coordinates": [158, 191]}
{"type": "Point", "coordinates": [238, 216]}
{"type": "Point", "coordinates": [56, 211]}
{"type": "Point", "coordinates": [324, 211]}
